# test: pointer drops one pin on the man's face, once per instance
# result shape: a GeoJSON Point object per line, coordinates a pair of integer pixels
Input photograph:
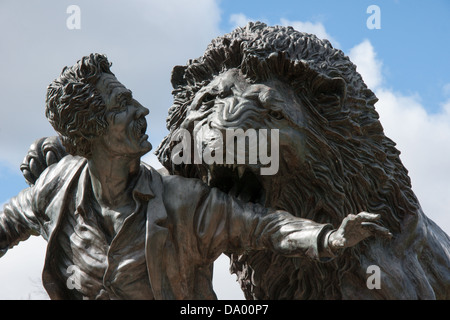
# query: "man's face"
{"type": "Point", "coordinates": [125, 135]}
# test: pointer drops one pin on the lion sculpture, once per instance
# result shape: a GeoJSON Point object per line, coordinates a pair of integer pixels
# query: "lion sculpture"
{"type": "Point", "coordinates": [334, 159]}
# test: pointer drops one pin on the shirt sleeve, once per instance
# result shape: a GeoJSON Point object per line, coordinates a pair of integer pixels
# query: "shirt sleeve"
{"type": "Point", "coordinates": [225, 224]}
{"type": "Point", "coordinates": [17, 221]}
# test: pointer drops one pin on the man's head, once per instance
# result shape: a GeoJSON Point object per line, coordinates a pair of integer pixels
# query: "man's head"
{"type": "Point", "coordinates": [125, 135]}
{"type": "Point", "coordinates": [80, 102]}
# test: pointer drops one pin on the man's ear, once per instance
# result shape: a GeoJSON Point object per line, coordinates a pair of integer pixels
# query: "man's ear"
{"type": "Point", "coordinates": [329, 87]}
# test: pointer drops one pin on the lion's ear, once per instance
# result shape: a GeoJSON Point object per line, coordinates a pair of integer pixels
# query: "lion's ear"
{"type": "Point", "coordinates": [330, 87]}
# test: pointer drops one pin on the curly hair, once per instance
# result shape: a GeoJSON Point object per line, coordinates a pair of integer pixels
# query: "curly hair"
{"type": "Point", "coordinates": [74, 107]}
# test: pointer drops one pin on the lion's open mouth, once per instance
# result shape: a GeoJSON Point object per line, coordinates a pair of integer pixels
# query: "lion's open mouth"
{"type": "Point", "coordinates": [239, 181]}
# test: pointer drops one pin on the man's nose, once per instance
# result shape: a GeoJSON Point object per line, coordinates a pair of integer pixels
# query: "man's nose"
{"type": "Point", "coordinates": [141, 111]}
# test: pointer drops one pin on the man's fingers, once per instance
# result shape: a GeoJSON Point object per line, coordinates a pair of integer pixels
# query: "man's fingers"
{"type": "Point", "coordinates": [376, 229]}
{"type": "Point", "coordinates": [367, 216]}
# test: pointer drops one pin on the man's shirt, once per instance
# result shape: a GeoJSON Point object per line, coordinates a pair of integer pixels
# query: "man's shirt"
{"type": "Point", "coordinates": [104, 268]}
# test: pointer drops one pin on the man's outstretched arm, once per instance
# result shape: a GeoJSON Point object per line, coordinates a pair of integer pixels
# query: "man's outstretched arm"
{"type": "Point", "coordinates": [224, 224]}
{"type": "Point", "coordinates": [17, 221]}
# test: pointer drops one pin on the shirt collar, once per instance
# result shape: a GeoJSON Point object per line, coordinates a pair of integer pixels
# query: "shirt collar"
{"type": "Point", "coordinates": [142, 190]}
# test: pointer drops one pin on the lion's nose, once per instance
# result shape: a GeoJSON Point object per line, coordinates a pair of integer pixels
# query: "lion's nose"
{"type": "Point", "coordinates": [230, 109]}
{"type": "Point", "coordinates": [237, 110]}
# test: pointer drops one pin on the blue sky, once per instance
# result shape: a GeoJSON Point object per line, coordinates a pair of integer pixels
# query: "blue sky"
{"type": "Point", "coordinates": [405, 63]}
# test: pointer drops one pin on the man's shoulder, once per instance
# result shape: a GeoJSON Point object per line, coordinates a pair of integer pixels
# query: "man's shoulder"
{"type": "Point", "coordinates": [61, 171]}
{"type": "Point", "coordinates": [177, 183]}
{"type": "Point", "coordinates": [54, 182]}
{"type": "Point", "coordinates": [183, 182]}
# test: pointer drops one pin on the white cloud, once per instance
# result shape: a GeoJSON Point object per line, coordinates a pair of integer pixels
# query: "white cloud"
{"type": "Point", "coordinates": [422, 137]}
{"type": "Point", "coordinates": [21, 269]}
{"type": "Point", "coordinates": [239, 20]}
{"type": "Point", "coordinates": [230, 289]}
{"type": "Point", "coordinates": [367, 64]}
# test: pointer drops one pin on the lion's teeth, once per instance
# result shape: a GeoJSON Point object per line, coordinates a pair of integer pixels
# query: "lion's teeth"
{"type": "Point", "coordinates": [241, 171]}
{"type": "Point", "coordinates": [209, 177]}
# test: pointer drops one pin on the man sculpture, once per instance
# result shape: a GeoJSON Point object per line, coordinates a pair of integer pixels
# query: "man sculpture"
{"type": "Point", "coordinates": [127, 231]}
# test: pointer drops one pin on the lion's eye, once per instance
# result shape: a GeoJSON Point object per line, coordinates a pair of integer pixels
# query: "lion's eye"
{"type": "Point", "coordinates": [208, 97]}
{"type": "Point", "coordinates": [276, 114]}
{"type": "Point", "coordinates": [224, 94]}
{"type": "Point", "coordinates": [207, 101]}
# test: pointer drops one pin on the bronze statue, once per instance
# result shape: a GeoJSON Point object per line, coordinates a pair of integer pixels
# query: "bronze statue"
{"type": "Point", "coordinates": [116, 228]}
{"type": "Point", "coordinates": [334, 160]}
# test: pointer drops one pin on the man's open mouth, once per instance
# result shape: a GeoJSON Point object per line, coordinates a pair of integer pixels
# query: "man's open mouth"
{"type": "Point", "coordinates": [140, 128]}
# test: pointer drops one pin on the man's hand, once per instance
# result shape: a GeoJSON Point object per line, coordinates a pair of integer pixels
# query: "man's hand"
{"type": "Point", "coordinates": [42, 153]}
{"type": "Point", "coordinates": [355, 228]}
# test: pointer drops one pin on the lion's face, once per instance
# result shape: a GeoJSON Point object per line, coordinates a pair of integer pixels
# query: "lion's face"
{"type": "Point", "coordinates": [233, 106]}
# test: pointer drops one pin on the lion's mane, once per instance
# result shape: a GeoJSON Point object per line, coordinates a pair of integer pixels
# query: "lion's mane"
{"type": "Point", "coordinates": [351, 166]}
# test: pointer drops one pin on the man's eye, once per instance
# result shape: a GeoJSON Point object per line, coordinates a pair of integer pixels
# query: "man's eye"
{"type": "Point", "coordinates": [118, 109]}
{"type": "Point", "coordinates": [208, 98]}
{"type": "Point", "coordinates": [121, 107]}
